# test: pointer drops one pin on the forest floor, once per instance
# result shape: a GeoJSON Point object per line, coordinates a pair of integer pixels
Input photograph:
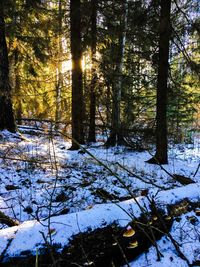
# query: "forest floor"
{"type": "Point", "coordinates": [43, 181]}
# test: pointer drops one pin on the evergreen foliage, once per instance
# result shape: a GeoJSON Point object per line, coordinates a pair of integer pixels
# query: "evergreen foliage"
{"type": "Point", "coordinates": [38, 40]}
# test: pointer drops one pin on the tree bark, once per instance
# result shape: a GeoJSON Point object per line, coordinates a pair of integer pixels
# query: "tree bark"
{"type": "Point", "coordinates": [92, 137]}
{"type": "Point", "coordinates": [15, 64]}
{"type": "Point", "coordinates": [18, 112]}
{"type": "Point", "coordinates": [7, 220]}
{"type": "Point", "coordinates": [77, 84]}
{"type": "Point", "coordinates": [59, 76]}
{"type": "Point", "coordinates": [7, 120]}
{"type": "Point", "coordinates": [161, 155]}
{"type": "Point", "coordinates": [115, 135]}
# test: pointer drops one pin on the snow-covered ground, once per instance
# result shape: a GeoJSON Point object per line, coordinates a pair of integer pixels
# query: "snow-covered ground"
{"type": "Point", "coordinates": [41, 178]}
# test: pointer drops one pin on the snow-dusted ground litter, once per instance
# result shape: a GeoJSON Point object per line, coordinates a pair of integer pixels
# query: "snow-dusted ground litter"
{"type": "Point", "coordinates": [40, 177]}
{"type": "Point", "coordinates": [28, 236]}
{"type": "Point", "coordinates": [188, 237]}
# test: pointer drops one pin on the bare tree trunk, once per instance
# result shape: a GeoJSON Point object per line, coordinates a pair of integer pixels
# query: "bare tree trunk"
{"type": "Point", "coordinates": [77, 84]}
{"type": "Point", "coordinates": [162, 87]}
{"type": "Point", "coordinates": [115, 136]}
{"type": "Point", "coordinates": [7, 120]}
{"type": "Point", "coordinates": [18, 112]}
{"type": "Point", "coordinates": [16, 65]}
{"type": "Point", "coordinates": [59, 76]}
{"type": "Point", "coordinates": [92, 137]}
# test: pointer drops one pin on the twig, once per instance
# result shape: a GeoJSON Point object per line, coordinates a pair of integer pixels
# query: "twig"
{"type": "Point", "coordinates": [174, 242]}
{"type": "Point", "coordinates": [121, 250]}
{"type": "Point", "coordinates": [49, 247]}
{"type": "Point", "coordinates": [141, 179]}
{"type": "Point", "coordinates": [196, 170]}
{"type": "Point", "coordinates": [24, 160]}
{"type": "Point", "coordinates": [107, 168]}
{"type": "Point", "coordinates": [84, 253]}
{"type": "Point", "coordinates": [2, 256]}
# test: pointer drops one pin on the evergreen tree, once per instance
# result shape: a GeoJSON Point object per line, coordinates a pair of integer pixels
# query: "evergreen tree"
{"type": "Point", "coordinates": [161, 155]}
{"type": "Point", "coordinates": [77, 82]}
{"type": "Point", "coordinates": [91, 137]}
{"type": "Point", "coordinates": [6, 111]}
{"type": "Point", "coordinates": [59, 78]}
{"type": "Point", "coordinates": [116, 133]}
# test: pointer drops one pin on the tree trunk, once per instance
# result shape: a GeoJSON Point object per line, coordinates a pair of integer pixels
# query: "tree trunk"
{"type": "Point", "coordinates": [92, 137]}
{"type": "Point", "coordinates": [7, 120]}
{"type": "Point", "coordinates": [115, 136]}
{"type": "Point", "coordinates": [77, 86]}
{"type": "Point", "coordinates": [18, 112]}
{"type": "Point", "coordinates": [59, 76]}
{"type": "Point", "coordinates": [16, 65]}
{"type": "Point", "coordinates": [161, 112]}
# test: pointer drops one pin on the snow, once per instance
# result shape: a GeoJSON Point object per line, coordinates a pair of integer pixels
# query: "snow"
{"type": "Point", "coordinates": [28, 235]}
{"type": "Point", "coordinates": [186, 234]}
{"type": "Point", "coordinates": [41, 178]}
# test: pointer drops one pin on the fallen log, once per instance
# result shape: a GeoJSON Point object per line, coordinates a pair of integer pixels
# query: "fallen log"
{"type": "Point", "coordinates": [98, 235]}
{"type": "Point", "coordinates": [101, 247]}
{"type": "Point", "coordinates": [4, 219]}
{"type": "Point", "coordinates": [115, 246]}
{"type": "Point", "coordinates": [183, 179]}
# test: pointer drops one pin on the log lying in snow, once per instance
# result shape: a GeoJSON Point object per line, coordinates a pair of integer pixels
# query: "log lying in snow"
{"type": "Point", "coordinates": [69, 233]}
{"type": "Point", "coordinates": [114, 246]}
{"type": "Point", "coordinates": [7, 220]}
{"type": "Point", "coordinates": [182, 179]}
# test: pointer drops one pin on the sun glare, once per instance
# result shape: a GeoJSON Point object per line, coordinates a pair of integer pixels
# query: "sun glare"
{"type": "Point", "coordinates": [66, 65]}
{"type": "Point", "coordinates": [85, 63]}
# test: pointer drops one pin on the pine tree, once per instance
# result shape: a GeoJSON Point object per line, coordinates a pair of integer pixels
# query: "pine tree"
{"type": "Point", "coordinates": [161, 155]}
{"type": "Point", "coordinates": [59, 78]}
{"type": "Point", "coordinates": [91, 137]}
{"type": "Point", "coordinates": [6, 111]}
{"type": "Point", "coordinates": [116, 135]}
{"type": "Point", "coordinates": [77, 83]}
